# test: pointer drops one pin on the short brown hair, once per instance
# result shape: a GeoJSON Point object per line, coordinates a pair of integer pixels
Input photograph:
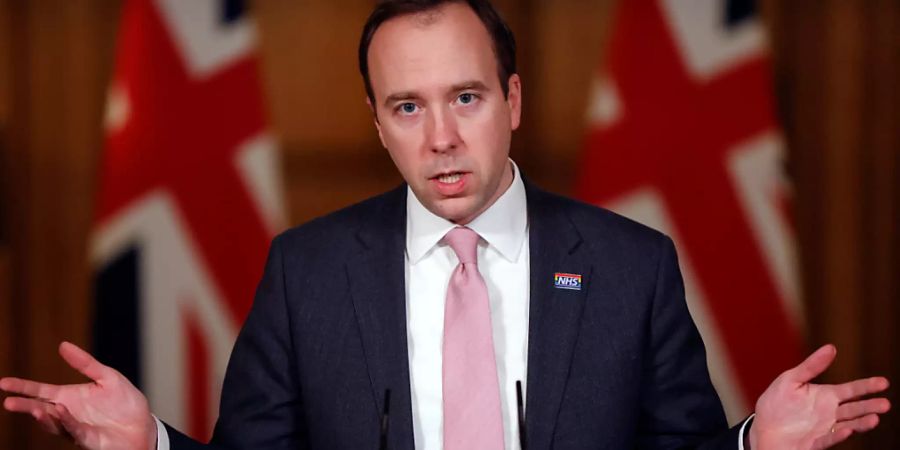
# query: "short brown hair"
{"type": "Point", "coordinates": [503, 40]}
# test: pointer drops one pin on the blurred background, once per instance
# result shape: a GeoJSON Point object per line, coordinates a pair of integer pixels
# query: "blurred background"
{"type": "Point", "coordinates": [814, 84]}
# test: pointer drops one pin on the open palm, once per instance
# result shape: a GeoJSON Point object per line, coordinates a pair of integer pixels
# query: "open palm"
{"type": "Point", "coordinates": [794, 413]}
{"type": "Point", "coordinates": [105, 413]}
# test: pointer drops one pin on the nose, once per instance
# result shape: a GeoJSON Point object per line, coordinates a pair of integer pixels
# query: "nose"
{"type": "Point", "coordinates": [442, 133]}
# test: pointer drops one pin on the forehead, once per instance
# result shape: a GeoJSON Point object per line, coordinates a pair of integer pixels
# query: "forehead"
{"type": "Point", "coordinates": [430, 50]}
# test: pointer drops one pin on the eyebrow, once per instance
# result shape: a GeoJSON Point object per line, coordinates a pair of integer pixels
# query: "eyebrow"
{"type": "Point", "coordinates": [407, 95]}
{"type": "Point", "coordinates": [473, 85]}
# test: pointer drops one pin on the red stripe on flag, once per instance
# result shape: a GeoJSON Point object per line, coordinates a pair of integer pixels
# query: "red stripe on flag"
{"type": "Point", "coordinates": [198, 375]}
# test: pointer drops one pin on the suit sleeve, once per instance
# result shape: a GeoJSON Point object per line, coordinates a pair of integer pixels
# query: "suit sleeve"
{"type": "Point", "coordinates": [679, 406]}
{"type": "Point", "coordinates": [260, 405]}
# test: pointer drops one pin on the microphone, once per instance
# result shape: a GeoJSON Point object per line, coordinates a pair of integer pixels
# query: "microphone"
{"type": "Point", "coordinates": [385, 420]}
{"type": "Point", "coordinates": [523, 441]}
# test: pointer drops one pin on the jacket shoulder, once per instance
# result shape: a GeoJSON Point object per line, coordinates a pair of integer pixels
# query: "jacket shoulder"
{"type": "Point", "coordinates": [600, 226]}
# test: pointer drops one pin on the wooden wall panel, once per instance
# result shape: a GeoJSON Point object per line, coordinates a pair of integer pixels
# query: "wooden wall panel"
{"type": "Point", "coordinates": [879, 151]}
{"type": "Point", "coordinates": [309, 60]}
{"type": "Point", "coordinates": [5, 61]}
{"type": "Point", "coordinates": [842, 170]}
{"type": "Point", "coordinates": [62, 53]}
{"type": "Point", "coordinates": [7, 315]}
{"type": "Point", "coordinates": [9, 435]}
{"type": "Point", "coordinates": [5, 101]}
{"type": "Point", "coordinates": [837, 66]}
{"type": "Point", "coordinates": [6, 344]}
{"type": "Point", "coordinates": [568, 45]}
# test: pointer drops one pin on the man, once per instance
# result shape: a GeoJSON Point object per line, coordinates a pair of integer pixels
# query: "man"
{"type": "Point", "coordinates": [438, 296]}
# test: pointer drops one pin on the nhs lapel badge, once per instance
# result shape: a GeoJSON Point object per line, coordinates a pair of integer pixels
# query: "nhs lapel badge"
{"type": "Point", "coordinates": [567, 281]}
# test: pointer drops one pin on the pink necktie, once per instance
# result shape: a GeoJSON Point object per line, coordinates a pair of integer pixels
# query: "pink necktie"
{"type": "Point", "coordinates": [472, 417]}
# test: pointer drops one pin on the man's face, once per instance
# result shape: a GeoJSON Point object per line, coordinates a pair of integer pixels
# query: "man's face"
{"type": "Point", "coordinates": [440, 110]}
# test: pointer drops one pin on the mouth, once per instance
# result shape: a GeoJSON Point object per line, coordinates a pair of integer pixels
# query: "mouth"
{"type": "Point", "coordinates": [449, 178]}
{"type": "Point", "coordinates": [449, 183]}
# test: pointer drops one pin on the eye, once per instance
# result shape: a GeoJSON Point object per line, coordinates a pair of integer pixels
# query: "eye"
{"type": "Point", "coordinates": [407, 108]}
{"type": "Point", "coordinates": [466, 98]}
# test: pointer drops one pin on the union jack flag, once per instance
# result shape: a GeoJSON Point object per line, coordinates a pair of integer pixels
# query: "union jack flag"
{"type": "Point", "coordinates": [189, 198]}
{"type": "Point", "coordinates": [682, 137]}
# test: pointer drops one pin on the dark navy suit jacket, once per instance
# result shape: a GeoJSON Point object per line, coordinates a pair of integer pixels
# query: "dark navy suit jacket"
{"type": "Point", "coordinates": [618, 364]}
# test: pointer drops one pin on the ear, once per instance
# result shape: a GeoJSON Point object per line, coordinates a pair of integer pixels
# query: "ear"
{"type": "Point", "coordinates": [375, 119]}
{"type": "Point", "coordinates": [514, 99]}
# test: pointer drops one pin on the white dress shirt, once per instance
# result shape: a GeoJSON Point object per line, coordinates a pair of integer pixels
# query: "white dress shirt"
{"type": "Point", "coordinates": [503, 263]}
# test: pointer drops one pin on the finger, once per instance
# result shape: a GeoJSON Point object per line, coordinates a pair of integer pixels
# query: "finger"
{"type": "Point", "coordinates": [831, 439]}
{"type": "Point", "coordinates": [814, 364]}
{"type": "Point", "coordinates": [23, 405]}
{"type": "Point", "coordinates": [30, 388]}
{"type": "Point", "coordinates": [83, 362]}
{"type": "Point", "coordinates": [852, 410]}
{"type": "Point", "coordinates": [859, 388]}
{"type": "Point", "coordinates": [39, 410]}
{"type": "Point", "coordinates": [859, 425]}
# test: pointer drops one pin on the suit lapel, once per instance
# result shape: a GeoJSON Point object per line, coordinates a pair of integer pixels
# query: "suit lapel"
{"type": "Point", "coordinates": [377, 285]}
{"type": "Point", "coordinates": [555, 313]}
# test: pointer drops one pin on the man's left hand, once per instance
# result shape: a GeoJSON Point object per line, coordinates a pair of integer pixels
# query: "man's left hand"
{"type": "Point", "coordinates": [794, 413]}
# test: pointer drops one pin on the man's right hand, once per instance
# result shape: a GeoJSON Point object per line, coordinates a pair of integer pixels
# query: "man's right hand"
{"type": "Point", "coordinates": [105, 413]}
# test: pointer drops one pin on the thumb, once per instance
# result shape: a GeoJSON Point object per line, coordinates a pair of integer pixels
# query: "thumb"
{"type": "Point", "coordinates": [83, 362]}
{"type": "Point", "coordinates": [814, 364]}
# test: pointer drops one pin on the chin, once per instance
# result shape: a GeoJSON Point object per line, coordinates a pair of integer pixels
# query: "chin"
{"type": "Point", "coordinates": [455, 209]}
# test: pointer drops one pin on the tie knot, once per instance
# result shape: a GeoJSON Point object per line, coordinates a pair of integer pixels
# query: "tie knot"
{"type": "Point", "coordinates": [463, 241]}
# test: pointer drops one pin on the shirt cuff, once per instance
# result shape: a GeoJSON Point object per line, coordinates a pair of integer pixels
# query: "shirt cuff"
{"type": "Point", "coordinates": [162, 436]}
{"type": "Point", "coordinates": [740, 434]}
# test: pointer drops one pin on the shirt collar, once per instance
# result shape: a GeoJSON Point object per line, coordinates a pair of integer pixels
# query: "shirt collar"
{"type": "Point", "coordinates": [502, 225]}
